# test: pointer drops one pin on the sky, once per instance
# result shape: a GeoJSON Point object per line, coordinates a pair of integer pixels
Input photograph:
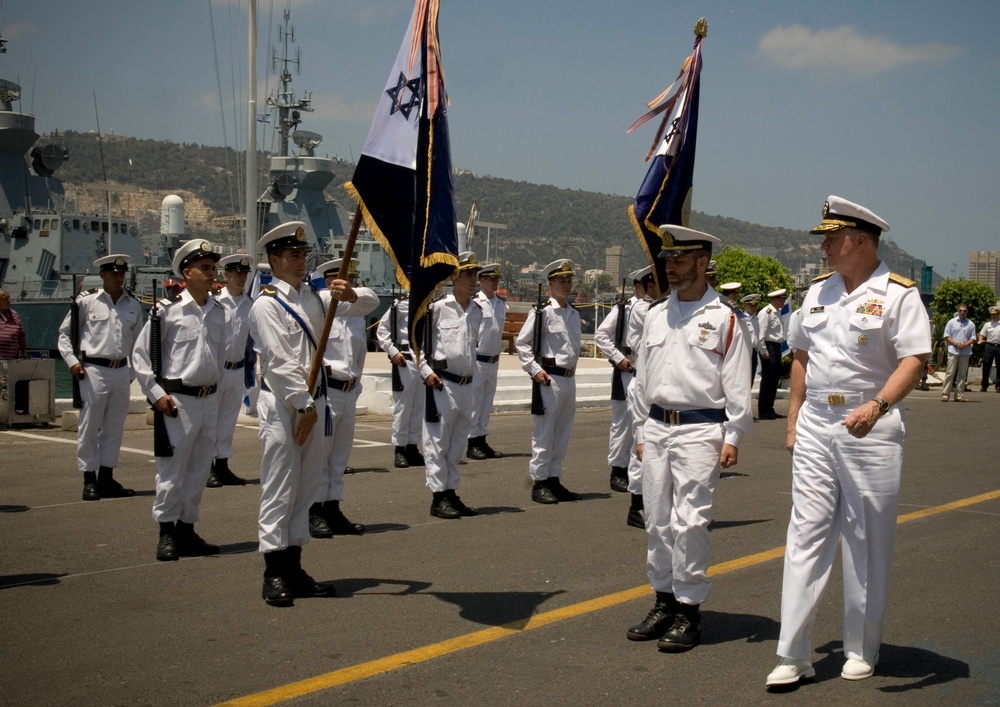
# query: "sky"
{"type": "Point", "coordinates": [893, 104]}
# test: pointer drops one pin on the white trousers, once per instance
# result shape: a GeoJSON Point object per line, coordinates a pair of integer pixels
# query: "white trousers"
{"type": "Point", "coordinates": [105, 395]}
{"type": "Point", "coordinates": [290, 475]}
{"type": "Point", "coordinates": [408, 407]}
{"type": "Point", "coordinates": [840, 486]}
{"type": "Point", "coordinates": [446, 441]}
{"type": "Point", "coordinates": [634, 465]}
{"type": "Point", "coordinates": [180, 479]}
{"type": "Point", "coordinates": [680, 471]}
{"type": "Point", "coordinates": [550, 436]}
{"type": "Point", "coordinates": [485, 382]}
{"type": "Point", "coordinates": [955, 374]}
{"type": "Point", "coordinates": [621, 439]}
{"type": "Point", "coordinates": [343, 408]}
{"type": "Point", "coordinates": [231, 393]}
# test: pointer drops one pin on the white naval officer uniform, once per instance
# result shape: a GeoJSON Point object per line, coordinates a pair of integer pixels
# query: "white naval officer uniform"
{"type": "Point", "coordinates": [633, 335]}
{"type": "Point", "coordinates": [452, 355]}
{"type": "Point", "coordinates": [561, 346]}
{"type": "Point", "coordinates": [344, 359]}
{"type": "Point", "coordinates": [487, 361]}
{"type": "Point", "coordinates": [842, 485]}
{"type": "Point", "coordinates": [192, 355]}
{"type": "Point", "coordinates": [621, 439]}
{"type": "Point", "coordinates": [232, 388]}
{"type": "Point", "coordinates": [692, 357]}
{"type": "Point", "coordinates": [407, 404]}
{"type": "Point", "coordinates": [291, 475]}
{"type": "Point", "coordinates": [772, 334]}
{"type": "Point", "coordinates": [108, 331]}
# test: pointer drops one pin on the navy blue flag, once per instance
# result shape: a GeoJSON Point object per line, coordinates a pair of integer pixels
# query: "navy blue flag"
{"type": "Point", "coordinates": [402, 183]}
{"type": "Point", "coordinates": [665, 194]}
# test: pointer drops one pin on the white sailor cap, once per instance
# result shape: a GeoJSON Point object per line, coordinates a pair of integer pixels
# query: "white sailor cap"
{"type": "Point", "coordinates": [638, 275]}
{"type": "Point", "coordinates": [712, 268]}
{"type": "Point", "coordinates": [332, 267]}
{"type": "Point", "coordinates": [116, 262]}
{"type": "Point", "coordinates": [678, 240]}
{"type": "Point", "coordinates": [777, 293]}
{"type": "Point", "coordinates": [728, 287]}
{"type": "Point", "coordinates": [287, 235]}
{"type": "Point", "coordinates": [238, 262]}
{"type": "Point", "coordinates": [840, 213]}
{"type": "Point", "coordinates": [191, 251]}
{"type": "Point", "coordinates": [750, 298]}
{"type": "Point", "coordinates": [467, 260]}
{"type": "Point", "coordinates": [995, 309]}
{"type": "Point", "coordinates": [490, 269]}
{"type": "Point", "coordinates": [559, 268]}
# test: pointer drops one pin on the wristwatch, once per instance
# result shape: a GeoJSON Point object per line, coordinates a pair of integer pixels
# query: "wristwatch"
{"type": "Point", "coordinates": [883, 406]}
{"type": "Point", "coordinates": [308, 409]}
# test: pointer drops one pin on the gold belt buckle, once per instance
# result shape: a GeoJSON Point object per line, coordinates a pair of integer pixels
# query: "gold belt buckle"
{"type": "Point", "coordinates": [675, 416]}
{"type": "Point", "coordinates": [836, 399]}
{"type": "Point", "coordinates": [204, 391]}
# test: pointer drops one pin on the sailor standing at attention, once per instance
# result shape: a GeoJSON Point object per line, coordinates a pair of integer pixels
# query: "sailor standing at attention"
{"type": "Point", "coordinates": [286, 320]}
{"type": "Point", "coordinates": [693, 402]}
{"type": "Point", "coordinates": [407, 401]}
{"type": "Point", "coordinates": [861, 342]}
{"type": "Point", "coordinates": [772, 334]}
{"type": "Point", "coordinates": [110, 321]}
{"type": "Point", "coordinates": [344, 360]}
{"type": "Point", "coordinates": [494, 309]}
{"type": "Point", "coordinates": [192, 354]}
{"type": "Point", "coordinates": [232, 388]}
{"type": "Point", "coordinates": [551, 365]}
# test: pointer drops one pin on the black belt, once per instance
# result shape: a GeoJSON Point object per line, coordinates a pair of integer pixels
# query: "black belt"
{"type": "Point", "coordinates": [107, 362]}
{"type": "Point", "coordinates": [991, 344]}
{"type": "Point", "coordinates": [627, 350]}
{"type": "Point", "coordinates": [559, 371]}
{"type": "Point", "coordinates": [449, 376]}
{"type": "Point", "coordinates": [687, 417]}
{"type": "Point", "coordinates": [346, 386]}
{"type": "Point", "coordinates": [482, 358]}
{"type": "Point", "coordinates": [234, 365]}
{"type": "Point", "coordinates": [175, 385]}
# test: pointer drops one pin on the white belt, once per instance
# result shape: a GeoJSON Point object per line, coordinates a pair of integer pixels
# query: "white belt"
{"type": "Point", "coordinates": [835, 397]}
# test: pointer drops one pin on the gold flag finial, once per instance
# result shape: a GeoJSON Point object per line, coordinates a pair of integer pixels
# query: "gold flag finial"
{"type": "Point", "coordinates": [701, 28]}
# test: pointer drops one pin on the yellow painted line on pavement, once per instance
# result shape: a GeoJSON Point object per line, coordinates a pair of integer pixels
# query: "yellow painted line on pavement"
{"type": "Point", "coordinates": [476, 638]}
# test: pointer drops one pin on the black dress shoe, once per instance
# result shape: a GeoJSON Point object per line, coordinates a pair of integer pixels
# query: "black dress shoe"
{"type": "Point", "coordinates": [636, 518]}
{"type": "Point", "coordinates": [778, 416]}
{"type": "Point", "coordinates": [399, 459]}
{"type": "Point", "coordinates": [302, 586]}
{"type": "Point", "coordinates": [90, 492]}
{"type": "Point", "coordinates": [685, 633]}
{"type": "Point", "coordinates": [166, 549]}
{"type": "Point", "coordinates": [475, 452]}
{"type": "Point", "coordinates": [190, 544]}
{"type": "Point", "coordinates": [318, 527]}
{"type": "Point", "coordinates": [338, 522]}
{"type": "Point", "coordinates": [457, 504]}
{"type": "Point", "coordinates": [441, 507]}
{"type": "Point", "coordinates": [540, 493]}
{"type": "Point", "coordinates": [109, 488]}
{"type": "Point", "coordinates": [561, 492]}
{"type": "Point", "coordinates": [490, 452]}
{"type": "Point", "coordinates": [413, 455]}
{"type": "Point", "coordinates": [276, 592]}
{"type": "Point", "coordinates": [619, 479]}
{"type": "Point", "coordinates": [767, 416]}
{"type": "Point", "coordinates": [223, 475]}
{"type": "Point", "coordinates": [213, 481]}
{"type": "Point", "coordinates": [658, 621]}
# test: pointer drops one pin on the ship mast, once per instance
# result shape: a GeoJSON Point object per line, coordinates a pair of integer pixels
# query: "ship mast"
{"type": "Point", "coordinates": [288, 106]}
{"type": "Point", "coordinates": [251, 157]}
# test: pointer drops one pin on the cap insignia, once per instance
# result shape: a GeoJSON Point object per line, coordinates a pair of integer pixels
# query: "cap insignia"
{"type": "Point", "coordinates": [826, 208]}
{"type": "Point", "coordinates": [205, 246]}
{"type": "Point", "coordinates": [300, 234]}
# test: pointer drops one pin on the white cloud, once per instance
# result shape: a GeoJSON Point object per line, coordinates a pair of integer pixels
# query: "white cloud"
{"type": "Point", "coordinates": [846, 49]}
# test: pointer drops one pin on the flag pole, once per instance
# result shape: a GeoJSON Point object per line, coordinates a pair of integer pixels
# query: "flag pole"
{"type": "Point", "coordinates": [331, 312]}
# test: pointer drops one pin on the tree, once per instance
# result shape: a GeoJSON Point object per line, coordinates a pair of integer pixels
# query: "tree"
{"type": "Point", "coordinates": [952, 293]}
{"type": "Point", "coordinates": [757, 274]}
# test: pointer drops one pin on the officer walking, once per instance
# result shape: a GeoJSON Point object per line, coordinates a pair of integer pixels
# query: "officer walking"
{"type": "Point", "coordinates": [344, 360]}
{"type": "Point", "coordinates": [185, 395]}
{"type": "Point", "coordinates": [860, 342]}
{"type": "Point", "coordinates": [551, 365]}
{"type": "Point", "coordinates": [494, 309]}
{"type": "Point", "coordinates": [772, 333]}
{"type": "Point", "coordinates": [110, 320]}
{"type": "Point", "coordinates": [407, 404]}
{"type": "Point", "coordinates": [751, 303]}
{"type": "Point", "coordinates": [448, 367]}
{"type": "Point", "coordinates": [285, 323]}
{"type": "Point", "coordinates": [232, 388]}
{"type": "Point", "coordinates": [693, 402]}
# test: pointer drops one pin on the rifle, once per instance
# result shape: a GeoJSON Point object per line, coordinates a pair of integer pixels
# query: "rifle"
{"type": "Point", "coordinates": [397, 382]}
{"type": "Point", "coordinates": [617, 386]}
{"type": "Point", "coordinates": [74, 338]}
{"type": "Point", "coordinates": [430, 409]}
{"type": "Point", "coordinates": [161, 440]}
{"type": "Point", "coordinates": [537, 407]}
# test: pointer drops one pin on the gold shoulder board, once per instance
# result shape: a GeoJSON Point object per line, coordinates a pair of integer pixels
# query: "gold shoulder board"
{"type": "Point", "coordinates": [818, 278]}
{"type": "Point", "coordinates": [900, 280]}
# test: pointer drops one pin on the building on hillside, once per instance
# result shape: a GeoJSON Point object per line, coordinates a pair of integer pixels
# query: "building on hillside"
{"type": "Point", "coordinates": [984, 267]}
{"type": "Point", "coordinates": [613, 262]}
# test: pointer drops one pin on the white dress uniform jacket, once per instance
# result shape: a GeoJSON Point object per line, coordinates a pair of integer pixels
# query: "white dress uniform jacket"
{"type": "Point", "coordinates": [621, 439]}
{"type": "Point", "coordinates": [231, 387]}
{"type": "Point", "coordinates": [408, 406]}
{"type": "Point", "coordinates": [633, 335]}
{"type": "Point", "coordinates": [487, 361]}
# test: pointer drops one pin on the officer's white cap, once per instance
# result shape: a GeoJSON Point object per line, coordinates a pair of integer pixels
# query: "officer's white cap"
{"type": "Point", "coordinates": [191, 251]}
{"type": "Point", "coordinates": [679, 239]}
{"type": "Point", "coordinates": [559, 268]}
{"type": "Point", "coordinates": [287, 235]}
{"type": "Point", "coordinates": [840, 213]}
{"type": "Point", "coordinates": [777, 293]}
{"type": "Point", "coordinates": [467, 260]}
{"type": "Point", "coordinates": [750, 298]}
{"type": "Point", "coordinates": [332, 267]}
{"type": "Point", "coordinates": [240, 262]}
{"type": "Point", "coordinates": [637, 275]}
{"type": "Point", "coordinates": [490, 269]}
{"type": "Point", "coordinates": [116, 262]}
{"type": "Point", "coordinates": [994, 309]}
{"type": "Point", "coordinates": [730, 287]}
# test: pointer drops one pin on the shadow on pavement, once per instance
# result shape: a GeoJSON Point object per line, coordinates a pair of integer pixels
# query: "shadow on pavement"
{"type": "Point", "coordinates": [9, 581]}
{"type": "Point", "coordinates": [925, 668]}
{"type": "Point", "coordinates": [719, 627]}
{"type": "Point", "coordinates": [723, 524]}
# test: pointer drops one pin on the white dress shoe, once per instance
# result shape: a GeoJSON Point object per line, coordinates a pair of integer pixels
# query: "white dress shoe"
{"type": "Point", "coordinates": [855, 669]}
{"type": "Point", "coordinates": [789, 671]}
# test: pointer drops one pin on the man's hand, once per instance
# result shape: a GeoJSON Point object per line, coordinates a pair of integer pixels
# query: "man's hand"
{"type": "Point", "coordinates": [304, 422]}
{"type": "Point", "coordinates": [542, 378]}
{"type": "Point", "coordinates": [624, 365]}
{"type": "Point", "coordinates": [765, 355]}
{"type": "Point", "coordinates": [638, 451]}
{"type": "Point", "coordinates": [342, 290]}
{"type": "Point", "coordinates": [78, 372]}
{"type": "Point", "coordinates": [433, 381]}
{"type": "Point", "coordinates": [167, 406]}
{"type": "Point", "coordinates": [399, 360]}
{"type": "Point", "coordinates": [790, 439]}
{"type": "Point", "coordinates": [728, 456]}
{"type": "Point", "coordinates": [862, 419]}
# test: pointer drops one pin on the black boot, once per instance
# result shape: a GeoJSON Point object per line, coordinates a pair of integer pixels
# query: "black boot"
{"type": "Point", "coordinates": [413, 455]}
{"type": "Point", "coordinates": [337, 521]}
{"type": "Point", "coordinates": [90, 486]}
{"type": "Point", "coordinates": [166, 547]}
{"type": "Point", "coordinates": [223, 476]}
{"type": "Point", "coordinates": [276, 591]}
{"type": "Point", "coordinates": [619, 479]}
{"type": "Point", "coordinates": [318, 527]}
{"type": "Point", "coordinates": [474, 451]}
{"type": "Point", "coordinates": [490, 452]}
{"type": "Point", "coordinates": [399, 458]}
{"type": "Point", "coordinates": [636, 513]}
{"type": "Point", "coordinates": [190, 544]}
{"type": "Point", "coordinates": [107, 487]}
{"type": "Point", "coordinates": [441, 507]}
{"type": "Point", "coordinates": [213, 481]}
{"type": "Point", "coordinates": [298, 581]}
{"type": "Point", "coordinates": [457, 504]}
{"type": "Point", "coordinates": [685, 633]}
{"type": "Point", "coordinates": [540, 493]}
{"type": "Point", "coordinates": [658, 621]}
{"type": "Point", "coordinates": [559, 491]}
